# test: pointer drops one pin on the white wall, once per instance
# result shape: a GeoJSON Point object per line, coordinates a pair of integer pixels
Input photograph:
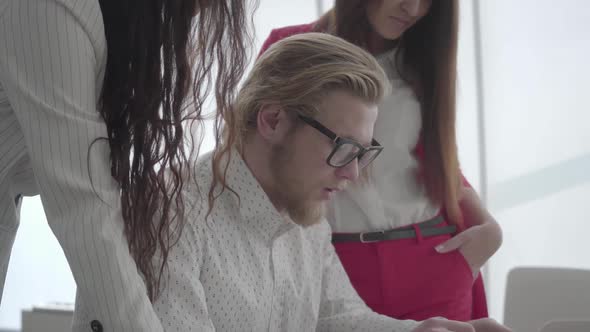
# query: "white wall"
{"type": "Point", "coordinates": [38, 271]}
{"type": "Point", "coordinates": [536, 82]}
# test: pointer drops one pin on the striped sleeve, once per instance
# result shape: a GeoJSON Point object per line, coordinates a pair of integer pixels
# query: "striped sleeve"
{"type": "Point", "coordinates": [51, 66]}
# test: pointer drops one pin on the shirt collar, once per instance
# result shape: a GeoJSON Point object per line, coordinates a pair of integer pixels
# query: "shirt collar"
{"type": "Point", "coordinates": [254, 206]}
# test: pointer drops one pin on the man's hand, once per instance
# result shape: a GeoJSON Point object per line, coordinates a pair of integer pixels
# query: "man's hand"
{"type": "Point", "coordinates": [488, 325]}
{"type": "Point", "coordinates": [444, 325]}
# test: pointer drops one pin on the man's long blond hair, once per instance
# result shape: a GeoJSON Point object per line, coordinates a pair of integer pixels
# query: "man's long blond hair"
{"type": "Point", "coordinates": [296, 73]}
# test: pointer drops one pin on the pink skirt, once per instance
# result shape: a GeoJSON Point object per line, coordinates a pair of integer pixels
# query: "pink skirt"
{"type": "Point", "coordinates": [408, 279]}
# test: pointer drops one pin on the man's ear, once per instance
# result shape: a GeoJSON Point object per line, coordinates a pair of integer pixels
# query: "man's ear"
{"type": "Point", "coordinates": [272, 123]}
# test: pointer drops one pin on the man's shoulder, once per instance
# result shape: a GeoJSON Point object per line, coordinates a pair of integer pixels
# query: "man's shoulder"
{"type": "Point", "coordinates": [198, 181]}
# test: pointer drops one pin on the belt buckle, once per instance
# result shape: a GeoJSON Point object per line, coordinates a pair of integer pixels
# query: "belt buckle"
{"type": "Point", "coordinates": [362, 238]}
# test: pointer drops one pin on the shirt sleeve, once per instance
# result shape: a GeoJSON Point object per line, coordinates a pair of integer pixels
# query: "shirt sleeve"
{"type": "Point", "coordinates": [341, 309]}
{"type": "Point", "coordinates": [50, 63]}
{"type": "Point", "coordinates": [182, 305]}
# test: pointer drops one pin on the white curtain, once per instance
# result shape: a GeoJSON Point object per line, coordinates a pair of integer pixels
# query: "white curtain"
{"type": "Point", "coordinates": [535, 144]}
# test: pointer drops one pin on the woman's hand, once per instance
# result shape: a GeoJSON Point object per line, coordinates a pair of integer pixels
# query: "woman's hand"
{"type": "Point", "coordinates": [479, 242]}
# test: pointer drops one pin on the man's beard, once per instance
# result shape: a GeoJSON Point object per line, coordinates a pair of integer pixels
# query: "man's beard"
{"type": "Point", "coordinates": [289, 189]}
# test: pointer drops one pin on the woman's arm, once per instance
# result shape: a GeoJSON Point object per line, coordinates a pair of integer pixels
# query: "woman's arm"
{"type": "Point", "coordinates": [52, 57]}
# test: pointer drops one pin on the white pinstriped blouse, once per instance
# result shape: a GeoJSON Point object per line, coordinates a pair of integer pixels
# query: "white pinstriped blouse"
{"type": "Point", "coordinates": [52, 61]}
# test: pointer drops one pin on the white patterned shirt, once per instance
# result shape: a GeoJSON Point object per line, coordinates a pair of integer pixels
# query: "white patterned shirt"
{"type": "Point", "coordinates": [52, 62]}
{"type": "Point", "coordinates": [248, 268]}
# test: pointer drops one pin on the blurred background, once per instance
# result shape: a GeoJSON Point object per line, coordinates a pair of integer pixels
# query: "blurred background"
{"type": "Point", "coordinates": [523, 136]}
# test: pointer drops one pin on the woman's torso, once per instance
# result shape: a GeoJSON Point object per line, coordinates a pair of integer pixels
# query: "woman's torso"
{"type": "Point", "coordinates": [392, 195]}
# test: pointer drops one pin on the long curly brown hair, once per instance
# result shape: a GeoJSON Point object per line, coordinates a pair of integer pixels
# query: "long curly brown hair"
{"type": "Point", "coordinates": [427, 60]}
{"type": "Point", "coordinates": [160, 52]}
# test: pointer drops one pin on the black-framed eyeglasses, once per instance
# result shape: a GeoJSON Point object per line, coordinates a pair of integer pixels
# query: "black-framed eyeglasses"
{"type": "Point", "coordinates": [345, 150]}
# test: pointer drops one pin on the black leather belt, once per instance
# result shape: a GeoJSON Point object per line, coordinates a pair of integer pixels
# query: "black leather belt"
{"type": "Point", "coordinates": [427, 228]}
